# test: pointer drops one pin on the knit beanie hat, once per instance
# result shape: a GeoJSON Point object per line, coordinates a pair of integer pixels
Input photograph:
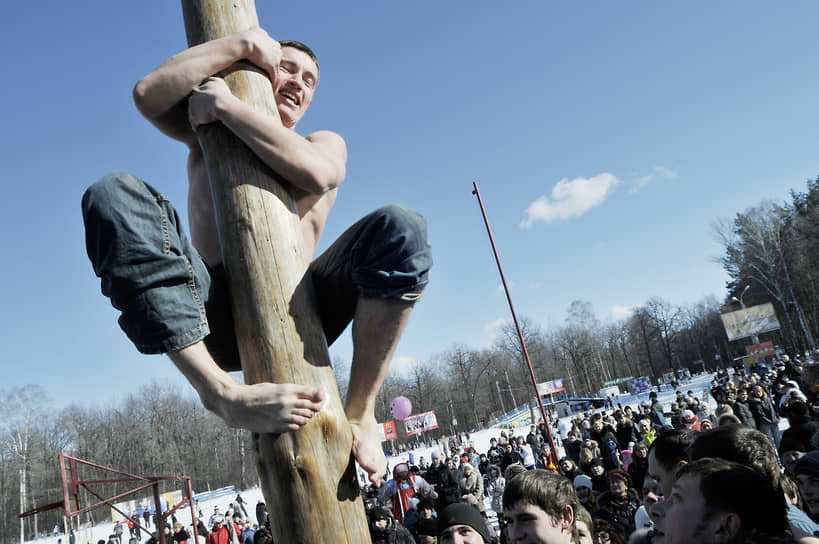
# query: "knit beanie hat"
{"type": "Point", "coordinates": [581, 480]}
{"type": "Point", "coordinates": [426, 527]}
{"type": "Point", "coordinates": [463, 514]}
{"type": "Point", "coordinates": [808, 464]}
{"type": "Point", "coordinates": [379, 513]}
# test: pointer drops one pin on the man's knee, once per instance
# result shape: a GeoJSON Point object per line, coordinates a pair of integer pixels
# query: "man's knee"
{"type": "Point", "coordinates": [398, 255]}
{"type": "Point", "coordinates": [112, 191]}
{"type": "Point", "coordinates": [402, 220]}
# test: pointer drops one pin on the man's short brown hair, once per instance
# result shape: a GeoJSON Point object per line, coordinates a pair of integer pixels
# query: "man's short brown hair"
{"type": "Point", "coordinates": [550, 492]}
{"type": "Point", "coordinates": [301, 47]}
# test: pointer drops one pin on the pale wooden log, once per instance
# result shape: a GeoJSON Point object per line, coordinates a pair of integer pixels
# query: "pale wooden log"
{"type": "Point", "coordinates": [308, 477]}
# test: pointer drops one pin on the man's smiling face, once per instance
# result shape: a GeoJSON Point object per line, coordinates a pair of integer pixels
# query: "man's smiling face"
{"type": "Point", "coordinates": [295, 85]}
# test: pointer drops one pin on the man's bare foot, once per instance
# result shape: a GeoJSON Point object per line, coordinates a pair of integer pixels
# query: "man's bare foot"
{"type": "Point", "coordinates": [262, 408]}
{"type": "Point", "coordinates": [269, 407]}
{"type": "Point", "coordinates": [367, 448]}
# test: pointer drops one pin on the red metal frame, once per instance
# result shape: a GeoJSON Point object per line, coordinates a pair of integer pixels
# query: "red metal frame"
{"type": "Point", "coordinates": [72, 494]}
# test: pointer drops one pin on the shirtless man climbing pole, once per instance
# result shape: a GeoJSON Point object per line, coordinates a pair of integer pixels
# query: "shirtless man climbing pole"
{"type": "Point", "coordinates": [172, 296]}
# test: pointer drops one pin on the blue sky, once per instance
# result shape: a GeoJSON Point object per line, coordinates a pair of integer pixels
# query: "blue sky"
{"type": "Point", "coordinates": [605, 139]}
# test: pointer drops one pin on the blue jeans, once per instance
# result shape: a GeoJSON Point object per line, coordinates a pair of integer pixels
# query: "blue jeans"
{"type": "Point", "coordinates": [169, 298]}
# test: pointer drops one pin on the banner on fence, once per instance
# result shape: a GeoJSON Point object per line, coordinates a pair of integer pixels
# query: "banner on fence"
{"type": "Point", "coordinates": [548, 388]}
{"type": "Point", "coordinates": [421, 422]}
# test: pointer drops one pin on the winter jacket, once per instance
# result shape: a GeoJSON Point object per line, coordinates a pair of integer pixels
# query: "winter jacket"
{"type": "Point", "coordinates": [743, 411]}
{"type": "Point", "coordinates": [496, 487]}
{"type": "Point", "coordinates": [620, 515]}
{"type": "Point", "coordinates": [763, 411]}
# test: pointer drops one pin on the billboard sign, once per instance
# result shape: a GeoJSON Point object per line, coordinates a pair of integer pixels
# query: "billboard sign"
{"type": "Point", "coordinates": [638, 385]}
{"type": "Point", "coordinates": [547, 388]}
{"type": "Point", "coordinates": [387, 430]}
{"type": "Point", "coordinates": [751, 321]}
{"type": "Point", "coordinates": [421, 422]}
{"type": "Point", "coordinates": [763, 349]}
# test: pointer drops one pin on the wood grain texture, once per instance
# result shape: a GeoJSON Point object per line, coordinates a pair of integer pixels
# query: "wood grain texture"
{"type": "Point", "coordinates": [308, 477]}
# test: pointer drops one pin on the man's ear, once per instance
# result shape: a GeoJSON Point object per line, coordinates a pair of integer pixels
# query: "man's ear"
{"type": "Point", "coordinates": [567, 518]}
{"type": "Point", "coordinates": [726, 527]}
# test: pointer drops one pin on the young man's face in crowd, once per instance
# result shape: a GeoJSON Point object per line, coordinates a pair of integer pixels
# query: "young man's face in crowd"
{"type": "Point", "coordinates": [584, 533]}
{"type": "Point", "coordinates": [597, 470]}
{"type": "Point", "coordinates": [684, 517]}
{"type": "Point", "coordinates": [809, 487]}
{"type": "Point", "coordinates": [663, 477]}
{"type": "Point", "coordinates": [461, 534]}
{"type": "Point", "coordinates": [583, 493]}
{"type": "Point", "coordinates": [528, 524]}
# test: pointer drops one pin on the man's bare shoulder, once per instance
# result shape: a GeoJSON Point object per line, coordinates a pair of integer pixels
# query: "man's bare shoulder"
{"type": "Point", "coordinates": [330, 143]}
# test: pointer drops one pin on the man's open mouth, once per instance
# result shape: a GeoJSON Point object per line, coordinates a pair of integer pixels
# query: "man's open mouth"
{"type": "Point", "coordinates": [290, 96]}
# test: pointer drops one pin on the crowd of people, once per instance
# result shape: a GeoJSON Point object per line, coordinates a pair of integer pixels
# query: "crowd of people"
{"type": "Point", "coordinates": [233, 526]}
{"type": "Point", "coordinates": [636, 474]}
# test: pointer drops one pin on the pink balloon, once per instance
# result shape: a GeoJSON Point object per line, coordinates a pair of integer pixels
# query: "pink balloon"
{"type": "Point", "coordinates": [401, 407]}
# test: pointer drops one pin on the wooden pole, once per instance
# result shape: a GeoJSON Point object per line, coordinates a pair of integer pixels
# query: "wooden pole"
{"type": "Point", "coordinates": [308, 477]}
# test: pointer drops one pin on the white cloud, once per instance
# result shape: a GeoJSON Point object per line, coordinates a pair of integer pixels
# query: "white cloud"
{"type": "Point", "coordinates": [659, 172]}
{"type": "Point", "coordinates": [493, 328]}
{"type": "Point", "coordinates": [570, 198]}
{"type": "Point", "coordinates": [619, 312]}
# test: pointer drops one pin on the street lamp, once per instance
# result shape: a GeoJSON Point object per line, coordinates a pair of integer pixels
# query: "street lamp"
{"type": "Point", "coordinates": [754, 338]}
{"type": "Point", "coordinates": [741, 295]}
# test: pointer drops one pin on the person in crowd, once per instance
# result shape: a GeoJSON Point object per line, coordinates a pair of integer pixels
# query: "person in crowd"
{"type": "Point", "coordinates": [752, 449]}
{"type": "Point", "coordinates": [444, 480]}
{"type": "Point", "coordinates": [526, 453]}
{"type": "Point", "coordinates": [585, 526]}
{"type": "Point", "coordinates": [539, 507]}
{"type": "Point", "coordinates": [497, 484]}
{"type": "Point", "coordinates": [510, 457]}
{"type": "Point", "coordinates": [638, 466]}
{"type": "Point", "coordinates": [606, 533]}
{"type": "Point", "coordinates": [604, 435]}
{"type": "Point", "coordinates": [802, 428]}
{"type": "Point", "coordinates": [403, 486]}
{"type": "Point", "coordinates": [597, 473]}
{"type": "Point", "coordinates": [717, 501]}
{"type": "Point", "coordinates": [572, 446]}
{"type": "Point", "coordinates": [585, 492]}
{"type": "Point", "coordinates": [666, 455]}
{"type": "Point", "coordinates": [384, 530]}
{"type": "Point", "coordinates": [742, 408]}
{"type": "Point", "coordinates": [470, 487]}
{"type": "Point", "coordinates": [806, 475]}
{"type": "Point", "coordinates": [625, 431]}
{"type": "Point", "coordinates": [218, 533]}
{"type": "Point", "coordinates": [619, 503]}
{"type": "Point", "coordinates": [180, 535]}
{"type": "Point", "coordinates": [765, 415]}
{"type": "Point", "coordinates": [462, 524]}
{"type": "Point", "coordinates": [261, 512]}
{"type": "Point", "coordinates": [568, 468]}
{"type": "Point", "coordinates": [426, 531]}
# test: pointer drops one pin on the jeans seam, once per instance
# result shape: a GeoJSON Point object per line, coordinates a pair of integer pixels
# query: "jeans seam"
{"type": "Point", "coordinates": [194, 293]}
{"type": "Point", "coordinates": [166, 237]}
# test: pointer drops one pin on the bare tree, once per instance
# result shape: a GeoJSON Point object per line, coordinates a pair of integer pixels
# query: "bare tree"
{"type": "Point", "coordinates": [20, 410]}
